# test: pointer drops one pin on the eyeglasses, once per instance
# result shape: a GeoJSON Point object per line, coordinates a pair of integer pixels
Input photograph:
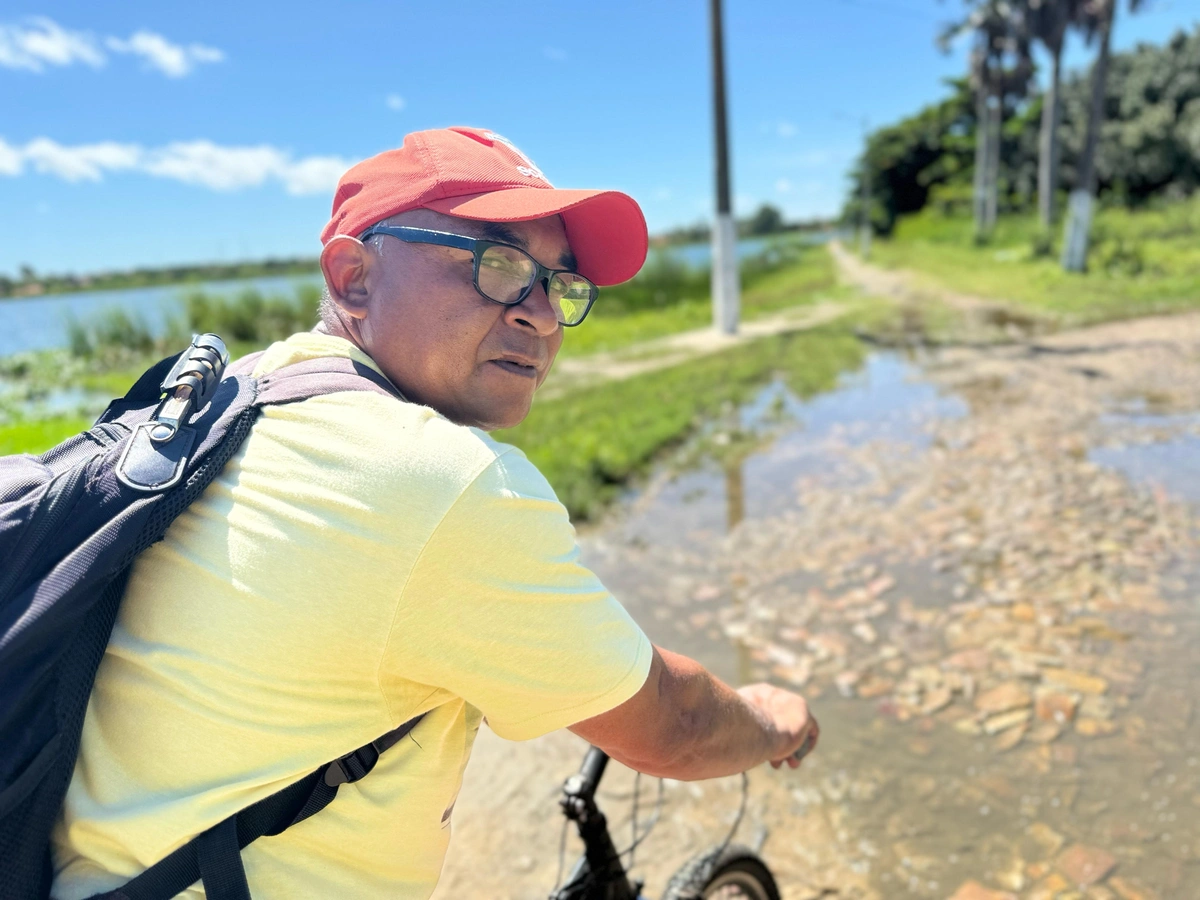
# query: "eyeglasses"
{"type": "Point", "coordinates": [506, 274]}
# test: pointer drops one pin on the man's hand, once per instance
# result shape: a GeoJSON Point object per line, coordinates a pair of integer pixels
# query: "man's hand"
{"type": "Point", "coordinates": [788, 715]}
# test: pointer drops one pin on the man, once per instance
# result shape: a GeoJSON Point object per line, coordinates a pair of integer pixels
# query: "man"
{"type": "Point", "coordinates": [362, 561]}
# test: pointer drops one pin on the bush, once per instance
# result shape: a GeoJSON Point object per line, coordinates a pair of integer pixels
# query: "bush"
{"type": "Point", "coordinates": [113, 329]}
{"type": "Point", "coordinates": [1041, 244]}
{"type": "Point", "coordinates": [1121, 257]}
{"type": "Point", "coordinates": [667, 280]}
{"type": "Point", "coordinates": [250, 316]}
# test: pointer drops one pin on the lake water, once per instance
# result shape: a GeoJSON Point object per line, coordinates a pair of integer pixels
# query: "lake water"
{"type": "Point", "coordinates": [40, 323]}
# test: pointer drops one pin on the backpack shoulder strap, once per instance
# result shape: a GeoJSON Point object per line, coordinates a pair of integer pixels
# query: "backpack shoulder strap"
{"type": "Point", "coordinates": [324, 375]}
{"type": "Point", "coordinates": [214, 856]}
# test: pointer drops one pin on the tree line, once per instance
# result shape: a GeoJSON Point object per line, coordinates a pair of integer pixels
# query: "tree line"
{"type": "Point", "coordinates": [30, 283]}
{"type": "Point", "coordinates": [1127, 131]}
{"type": "Point", "coordinates": [767, 219]}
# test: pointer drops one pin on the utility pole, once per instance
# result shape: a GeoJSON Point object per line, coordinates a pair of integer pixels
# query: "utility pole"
{"type": "Point", "coordinates": [726, 287]}
{"type": "Point", "coordinates": [864, 233]}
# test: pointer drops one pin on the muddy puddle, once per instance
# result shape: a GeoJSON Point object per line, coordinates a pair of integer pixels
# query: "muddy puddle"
{"type": "Point", "coordinates": [1161, 450]}
{"type": "Point", "coordinates": [986, 590]}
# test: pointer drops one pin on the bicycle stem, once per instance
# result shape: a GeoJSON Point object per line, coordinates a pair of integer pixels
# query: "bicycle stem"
{"type": "Point", "coordinates": [579, 805]}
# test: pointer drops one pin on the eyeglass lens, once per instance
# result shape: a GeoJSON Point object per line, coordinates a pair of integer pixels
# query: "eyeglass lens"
{"type": "Point", "coordinates": [506, 272]}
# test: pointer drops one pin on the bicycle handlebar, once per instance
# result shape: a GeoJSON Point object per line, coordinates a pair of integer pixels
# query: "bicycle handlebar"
{"type": "Point", "coordinates": [592, 769]}
{"type": "Point", "coordinates": [805, 748]}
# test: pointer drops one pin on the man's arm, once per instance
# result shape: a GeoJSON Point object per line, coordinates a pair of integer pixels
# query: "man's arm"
{"type": "Point", "coordinates": [685, 723]}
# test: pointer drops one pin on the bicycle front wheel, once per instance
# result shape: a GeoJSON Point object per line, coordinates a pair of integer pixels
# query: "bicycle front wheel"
{"type": "Point", "coordinates": [735, 873]}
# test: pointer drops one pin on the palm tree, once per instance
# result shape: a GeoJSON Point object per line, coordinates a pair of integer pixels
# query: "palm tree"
{"type": "Point", "coordinates": [1048, 21]}
{"type": "Point", "coordinates": [1001, 65]}
{"type": "Point", "coordinates": [1079, 218]}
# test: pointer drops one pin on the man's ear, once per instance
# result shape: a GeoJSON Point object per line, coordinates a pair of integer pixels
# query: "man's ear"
{"type": "Point", "coordinates": [345, 261]}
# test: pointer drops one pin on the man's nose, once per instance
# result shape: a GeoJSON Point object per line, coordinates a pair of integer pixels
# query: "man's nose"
{"type": "Point", "coordinates": [534, 312]}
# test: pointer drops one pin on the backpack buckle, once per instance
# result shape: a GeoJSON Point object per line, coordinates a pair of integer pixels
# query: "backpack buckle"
{"type": "Point", "coordinates": [351, 767]}
{"type": "Point", "coordinates": [189, 384]}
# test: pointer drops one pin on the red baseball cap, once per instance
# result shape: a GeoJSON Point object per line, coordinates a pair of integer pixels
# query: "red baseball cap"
{"type": "Point", "coordinates": [474, 173]}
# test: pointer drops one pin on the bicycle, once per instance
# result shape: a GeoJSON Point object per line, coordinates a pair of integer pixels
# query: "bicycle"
{"type": "Point", "coordinates": [727, 872]}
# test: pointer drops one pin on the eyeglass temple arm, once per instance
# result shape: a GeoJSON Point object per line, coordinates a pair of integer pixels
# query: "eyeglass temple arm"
{"type": "Point", "coordinates": [421, 236]}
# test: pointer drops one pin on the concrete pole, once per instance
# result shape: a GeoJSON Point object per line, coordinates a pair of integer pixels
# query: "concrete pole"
{"type": "Point", "coordinates": [864, 233]}
{"type": "Point", "coordinates": [726, 285]}
{"type": "Point", "coordinates": [1082, 204]}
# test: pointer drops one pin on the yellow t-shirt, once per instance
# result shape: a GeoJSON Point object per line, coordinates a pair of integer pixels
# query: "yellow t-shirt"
{"type": "Point", "coordinates": [358, 562]}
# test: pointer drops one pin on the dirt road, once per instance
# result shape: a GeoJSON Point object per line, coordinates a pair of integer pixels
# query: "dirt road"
{"type": "Point", "coordinates": [997, 628]}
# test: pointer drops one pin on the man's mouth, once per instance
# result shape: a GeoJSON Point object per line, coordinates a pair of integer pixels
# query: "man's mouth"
{"type": "Point", "coordinates": [516, 368]}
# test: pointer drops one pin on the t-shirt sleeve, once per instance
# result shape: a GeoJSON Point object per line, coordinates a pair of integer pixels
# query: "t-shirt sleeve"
{"type": "Point", "coordinates": [499, 611]}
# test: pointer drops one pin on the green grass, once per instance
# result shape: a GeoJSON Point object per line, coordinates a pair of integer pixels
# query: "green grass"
{"type": "Point", "coordinates": [1142, 262]}
{"type": "Point", "coordinates": [36, 435]}
{"type": "Point", "coordinates": [589, 444]}
{"type": "Point", "coordinates": [811, 276]}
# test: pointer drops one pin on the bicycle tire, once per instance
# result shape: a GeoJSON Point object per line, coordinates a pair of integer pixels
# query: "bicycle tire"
{"type": "Point", "coordinates": [730, 873]}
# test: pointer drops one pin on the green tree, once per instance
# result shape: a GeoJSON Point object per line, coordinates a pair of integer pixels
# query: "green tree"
{"type": "Point", "coordinates": [903, 163]}
{"type": "Point", "coordinates": [1001, 67]}
{"type": "Point", "coordinates": [766, 220]}
{"type": "Point", "coordinates": [1148, 147]}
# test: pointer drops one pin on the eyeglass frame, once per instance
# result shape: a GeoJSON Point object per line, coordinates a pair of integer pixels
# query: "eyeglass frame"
{"type": "Point", "coordinates": [478, 246]}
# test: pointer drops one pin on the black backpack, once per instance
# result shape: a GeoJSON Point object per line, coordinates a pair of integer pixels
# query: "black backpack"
{"type": "Point", "coordinates": [72, 521]}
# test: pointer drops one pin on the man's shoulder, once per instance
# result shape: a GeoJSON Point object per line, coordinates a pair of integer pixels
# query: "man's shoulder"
{"type": "Point", "coordinates": [381, 436]}
{"type": "Point", "coordinates": [374, 443]}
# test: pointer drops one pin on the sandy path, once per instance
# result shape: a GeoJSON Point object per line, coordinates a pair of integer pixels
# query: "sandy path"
{"type": "Point", "coordinates": [902, 285]}
{"type": "Point", "coordinates": [662, 353]}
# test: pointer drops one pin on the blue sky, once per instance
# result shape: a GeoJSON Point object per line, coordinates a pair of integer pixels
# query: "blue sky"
{"type": "Point", "coordinates": [151, 133]}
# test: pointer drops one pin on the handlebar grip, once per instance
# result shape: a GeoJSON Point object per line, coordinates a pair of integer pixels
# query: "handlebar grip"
{"type": "Point", "coordinates": [805, 748]}
{"type": "Point", "coordinates": [593, 766]}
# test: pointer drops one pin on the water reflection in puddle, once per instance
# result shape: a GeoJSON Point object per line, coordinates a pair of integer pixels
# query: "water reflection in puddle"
{"type": "Point", "coordinates": [925, 807]}
{"type": "Point", "coordinates": [886, 400]}
{"type": "Point", "coordinates": [1166, 454]}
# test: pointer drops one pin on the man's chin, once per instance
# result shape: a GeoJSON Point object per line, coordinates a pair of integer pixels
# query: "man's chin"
{"type": "Point", "coordinates": [496, 416]}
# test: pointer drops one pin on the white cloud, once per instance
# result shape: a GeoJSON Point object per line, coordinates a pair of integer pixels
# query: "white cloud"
{"type": "Point", "coordinates": [173, 60]}
{"type": "Point", "coordinates": [200, 163]}
{"type": "Point", "coordinates": [395, 102]}
{"type": "Point", "coordinates": [85, 162]}
{"type": "Point", "coordinates": [312, 175]}
{"type": "Point", "coordinates": [782, 186]}
{"type": "Point", "coordinates": [212, 166]}
{"type": "Point", "coordinates": [12, 160]}
{"type": "Point", "coordinates": [42, 42]}
{"type": "Point", "coordinates": [786, 130]}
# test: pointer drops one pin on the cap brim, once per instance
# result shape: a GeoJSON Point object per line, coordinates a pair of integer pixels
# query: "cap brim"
{"type": "Point", "coordinates": [606, 229]}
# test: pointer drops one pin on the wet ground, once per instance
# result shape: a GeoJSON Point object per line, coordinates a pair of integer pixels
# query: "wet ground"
{"type": "Point", "coordinates": [979, 565]}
